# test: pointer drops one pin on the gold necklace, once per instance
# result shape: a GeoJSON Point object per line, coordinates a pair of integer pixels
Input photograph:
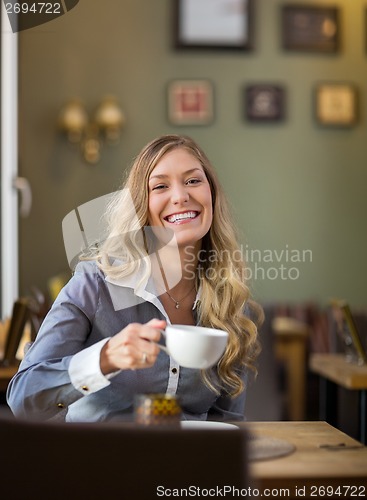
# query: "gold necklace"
{"type": "Point", "coordinates": [177, 302]}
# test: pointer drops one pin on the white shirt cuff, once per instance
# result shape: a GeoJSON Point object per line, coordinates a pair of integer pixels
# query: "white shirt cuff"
{"type": "Point", "coordinates": [85, 371]}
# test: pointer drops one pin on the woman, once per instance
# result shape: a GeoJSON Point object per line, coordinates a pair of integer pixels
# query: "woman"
{"type": "Point", "coordinates": [97, 347]}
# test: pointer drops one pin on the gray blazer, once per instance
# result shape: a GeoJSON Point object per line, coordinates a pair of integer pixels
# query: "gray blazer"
{"type": "Point", "coordinates": [59, 377]}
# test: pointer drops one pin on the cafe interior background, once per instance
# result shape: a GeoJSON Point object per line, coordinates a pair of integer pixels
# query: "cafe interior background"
{"type": "Point", "coordinates": [296, 186]}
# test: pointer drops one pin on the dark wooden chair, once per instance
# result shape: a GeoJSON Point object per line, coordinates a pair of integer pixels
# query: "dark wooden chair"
{"type": "Point", "coordinates": [30, 309]}
{"type": "Point", "coordinates": [19, 318]}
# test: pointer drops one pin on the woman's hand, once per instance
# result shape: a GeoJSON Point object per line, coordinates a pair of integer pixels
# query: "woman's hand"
{"type": "Point", "coordinates": [134, 347]}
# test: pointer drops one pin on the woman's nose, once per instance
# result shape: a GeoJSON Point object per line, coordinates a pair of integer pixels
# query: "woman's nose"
{"type": "Point", "coordinates": [179, 194]}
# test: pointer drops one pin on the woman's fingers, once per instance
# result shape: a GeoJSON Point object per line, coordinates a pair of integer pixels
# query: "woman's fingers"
{"type": "Point", "coordinates": [134, 347]}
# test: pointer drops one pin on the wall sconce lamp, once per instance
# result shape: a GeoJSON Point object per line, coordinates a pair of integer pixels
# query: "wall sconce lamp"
{"type": "Point", "coordinates": [91, 134]}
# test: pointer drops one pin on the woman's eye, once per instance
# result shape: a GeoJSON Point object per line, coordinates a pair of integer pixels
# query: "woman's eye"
{"type": "Point", "coordinates": [160, 186]}
{"type": "Point", "coordinates": [193, 181]}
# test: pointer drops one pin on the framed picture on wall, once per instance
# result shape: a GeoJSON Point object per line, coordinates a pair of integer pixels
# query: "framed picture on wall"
{"type": "Point", "coordinates": [213, 24]}
{"type": "Point", "coordinates": [264, 103]}
{"type": "Point", "coordinates": [310, 28]}
{"type": "Point", "coordinates": [190, 102]}
{"type": "Point", "coordinates": [336, 104]}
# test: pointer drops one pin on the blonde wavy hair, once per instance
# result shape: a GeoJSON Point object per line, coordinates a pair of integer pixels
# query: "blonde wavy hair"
{"type": "Point", "coordinates": [224, 295]}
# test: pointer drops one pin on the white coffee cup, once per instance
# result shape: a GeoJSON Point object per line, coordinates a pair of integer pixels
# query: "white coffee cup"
{"type": "Point", "coordinates": [194, 346]}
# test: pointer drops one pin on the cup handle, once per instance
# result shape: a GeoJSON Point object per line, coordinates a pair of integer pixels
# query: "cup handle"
{"type": "Point", "coordinates": [163, 347]}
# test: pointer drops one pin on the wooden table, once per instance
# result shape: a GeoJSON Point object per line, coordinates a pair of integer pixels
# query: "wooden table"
{"type": "Point", "coordinates": [334, 370]}
{"type": "Point", "coordinates": [314, 465]}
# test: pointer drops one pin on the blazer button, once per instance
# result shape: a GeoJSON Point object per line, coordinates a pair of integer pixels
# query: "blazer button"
{"type": "Point", "coordinates": [60, 405]}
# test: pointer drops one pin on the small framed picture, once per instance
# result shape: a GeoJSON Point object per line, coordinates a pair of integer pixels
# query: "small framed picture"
{"type": "Point", "coordinates": [190, 102]}
{"type": "Point", "coordinates": [310, 28]}
{"type": "Point", "coordinates": [264, 103]}
{"type": "Point", "coordinates": [213, 24]}
{"type": "Point", "coordinates": [336, 104]}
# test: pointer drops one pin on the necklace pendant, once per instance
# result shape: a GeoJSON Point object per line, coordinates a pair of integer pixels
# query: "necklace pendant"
{"type": "Point", "coordinates": [177, 306]}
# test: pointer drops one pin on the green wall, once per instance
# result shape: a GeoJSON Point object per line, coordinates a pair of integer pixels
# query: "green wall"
{"type": "Point", "coordinates": [293, 185]}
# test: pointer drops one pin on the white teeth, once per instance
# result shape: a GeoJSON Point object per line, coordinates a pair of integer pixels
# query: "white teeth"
{"type": "Point", "coordinates": [186, 215]}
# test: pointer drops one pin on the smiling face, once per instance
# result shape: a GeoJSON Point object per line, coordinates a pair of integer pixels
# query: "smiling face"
{"type": "Point", "coordinates": [180, 197]}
